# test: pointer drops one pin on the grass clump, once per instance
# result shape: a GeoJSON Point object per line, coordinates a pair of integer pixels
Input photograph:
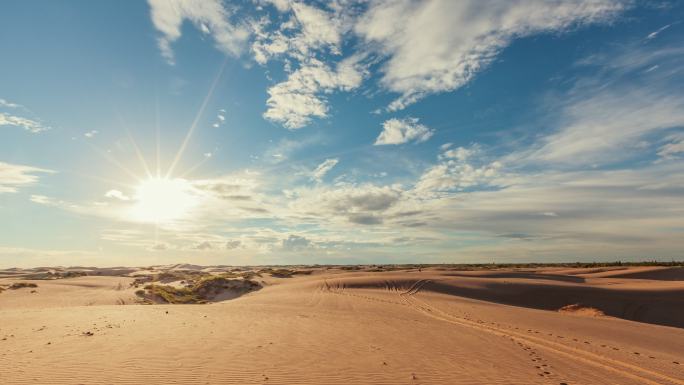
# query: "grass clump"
{"type": "Point", "coordinates": [173, 295]}
{"type": "Point", "coordinates": [283, 273]}
{"type": "Point", "coordinates": [202, 291]}
{"type": "Point", "coordinates": [56, 275]}
{"type": "Point", "coordinates": [21, 285]}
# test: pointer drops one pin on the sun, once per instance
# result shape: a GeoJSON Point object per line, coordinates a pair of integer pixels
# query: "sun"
{"type": "Point", "coordinates": [163, 200]}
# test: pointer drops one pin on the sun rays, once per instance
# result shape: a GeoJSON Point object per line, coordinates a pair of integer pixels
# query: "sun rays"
{"type": "Point", "coordinates": [158, 197]}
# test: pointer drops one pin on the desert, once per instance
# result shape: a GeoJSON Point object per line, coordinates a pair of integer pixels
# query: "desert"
{"type": "Point", "coordinates": [343, 324]}
{"type": "Point", "coordinates": [342, 192]}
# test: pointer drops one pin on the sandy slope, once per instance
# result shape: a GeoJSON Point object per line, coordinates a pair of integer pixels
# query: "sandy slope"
{"type": "Point", "coordinates": [428, 327]}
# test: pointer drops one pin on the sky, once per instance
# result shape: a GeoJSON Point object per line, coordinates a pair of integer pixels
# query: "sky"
{"type": "Point", "coordinates": [340, 132]}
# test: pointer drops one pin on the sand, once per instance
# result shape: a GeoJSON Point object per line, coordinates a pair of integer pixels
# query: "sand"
{"type": "Point", "coordinates": [524, 326]}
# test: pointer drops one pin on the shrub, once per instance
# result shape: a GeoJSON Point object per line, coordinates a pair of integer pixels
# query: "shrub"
{"type": "Point", "coordinates": [200, 292]}
{"type": "Point", "coordinates": [21, 285]}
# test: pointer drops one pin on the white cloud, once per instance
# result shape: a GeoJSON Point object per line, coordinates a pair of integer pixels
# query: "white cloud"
{"type": "Point", "coordinates": [230, 245]}
{"type": "Point", "coordinates": [460, 153]}
{"type": "Point", "coordinates": [91, 134]}
{"type": "Point", "coordinates": [309, 30]}
{"type": "Point", "coordinates": [439, 45]}
{"type": "Point", "coordinates": [32, 126]}
{"type": "Point", "coordinates": [294, 102]}
{"type": "Point", "coordinates": [266, 44]}
{"type": "Point", "coordinates": [305, 41]}
{"type": "Point", "coordinates": [323, 169]}
{"type": "Point", "coordinates": [457, 171]}
{"type": "Point", "coordinates": [583, 213]}
{"type": "Point", "coordinates": [398, 131]}
{"type": "Point", "coordinates": [210, 16]}
{"type": "Point", "coordinates": [654, 34]}
{"type": "Point", "coordinates": [13, 176]}
{"type": "Point", "coordinates": [318, 28]}
{"type": "Point", "coordinates": [295, 243]}
{"type": "Point", "coordinates": [598, 128]}
{"type": "Point", "coordinates": [42, 200]}
{"type": "Point", "coordinates": [220, 118]}
{"type": "Point", "coordinates": [674, 148]}
{"type": "Point", "coordinates": [116, 194]}
{"type": "Point", "coordinates": [359, 204]}
{"type": "Point", "coordinates": [7, 104]}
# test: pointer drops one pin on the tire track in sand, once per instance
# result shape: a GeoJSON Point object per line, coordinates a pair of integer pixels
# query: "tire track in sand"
{"type": "Point", "coordinates": [621, 368]}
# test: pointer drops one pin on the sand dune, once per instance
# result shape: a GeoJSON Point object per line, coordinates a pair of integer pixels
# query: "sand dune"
{"type": "Point", "coordinates": [337, 327]}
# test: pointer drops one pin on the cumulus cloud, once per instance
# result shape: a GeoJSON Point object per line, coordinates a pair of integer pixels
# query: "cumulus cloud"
{"type": "Point", "coordinates": [116, 194]}
{"type": "Point", "coordinates": [308, 30]}
{"type": "Point", "coordinates": [399, 131]}
{"type": "Point", "coordinates": [294, 102]}
{"type": "Point", "coordinates": [296, 242]}
{"type": "Point", "coordinates": [318, 28]}
{"type": "Point", "coordinates": [209, 16]}
{"type": "Point", "coordinates": [13, 176]}
{"type": "Point", "coordinates": [361, 204]}
{"type": "Point", "coordinates": [440, 45]}
{"type": "Point", "coordinates": [205, 245]}
{"type": "Point", "coordinates": [323, 169]}
{"type": "Point", "coordinates": [457, 171]}
{"type": "Point", "coordinates": [309, 42]}
{"type": "Point", "coordinates": [268, 45]}
{"type": "Point", "coordinates": [230, 245]}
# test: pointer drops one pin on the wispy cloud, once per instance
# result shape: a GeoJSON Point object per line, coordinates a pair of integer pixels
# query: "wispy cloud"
{"type": "Point", "coordinates": [211, 17]}
{"type": "Point", "coordinates": [323, 169]}
{"type": "Point", "coordinates": [7, 104]}
{"type": "Point", "coordinates": [13, 176]}
{"type": "Point", "coordinates": [655, 33]}
{"type": "Point", "coordinates": [30, 125]}
{"type": "Point", "coordinates": [440, 45]}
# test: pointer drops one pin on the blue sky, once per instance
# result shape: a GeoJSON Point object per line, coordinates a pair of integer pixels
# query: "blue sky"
{"type": "Point", "coordinates": [263, 132]}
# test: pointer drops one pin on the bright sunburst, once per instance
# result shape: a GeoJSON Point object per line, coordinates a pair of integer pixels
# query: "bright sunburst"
{"type": "Point", "coordinates": [163, 200]}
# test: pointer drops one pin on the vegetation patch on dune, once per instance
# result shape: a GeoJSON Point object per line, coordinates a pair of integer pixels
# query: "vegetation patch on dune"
{"type": "Point", "coordinates": [50, 275]}
{"type": "Point", "coordinates": [189, 278]}
{"type": "Point", "coordinates": [21, 285]}
{"type": "Point", "coordinates": [284, 273]}
{"type": "Point", "coordinates": [205, 290]}
{"type": "Point", "coordinates": [579, 309]}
